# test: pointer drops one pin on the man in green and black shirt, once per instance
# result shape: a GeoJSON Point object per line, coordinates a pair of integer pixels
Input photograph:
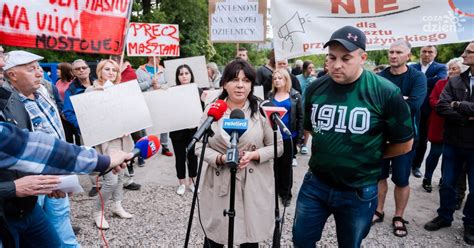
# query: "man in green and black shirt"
{"type": "Point", "coordinates": [356, 119]}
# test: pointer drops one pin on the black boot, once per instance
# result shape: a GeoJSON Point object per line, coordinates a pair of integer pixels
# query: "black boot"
{"type": "Point", "coordinates": [427, 185]}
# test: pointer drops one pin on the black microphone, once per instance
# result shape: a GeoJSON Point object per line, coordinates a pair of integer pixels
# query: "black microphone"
{"type": "Point", "coordinates": [273, 113]}
{"type": "Point", "coordinates": [235, 126]}
{"type": "Point", "coordinates": [215, 112]}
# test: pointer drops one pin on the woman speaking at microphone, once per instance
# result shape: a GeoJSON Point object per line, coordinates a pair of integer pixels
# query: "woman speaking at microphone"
{"type": "Point", "coordinates": [254, 189]}
{"type": "Point", "coordinates": [107, 76]}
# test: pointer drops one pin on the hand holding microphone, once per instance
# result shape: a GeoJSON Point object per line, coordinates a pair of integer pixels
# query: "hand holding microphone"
{"type": "Point", "coordinates": [145, 147]}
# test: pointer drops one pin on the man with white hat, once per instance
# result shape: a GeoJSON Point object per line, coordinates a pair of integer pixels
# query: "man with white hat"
{"type": "Point", "coordinates": [23, 74]}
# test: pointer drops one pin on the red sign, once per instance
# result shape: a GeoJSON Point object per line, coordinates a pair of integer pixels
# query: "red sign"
{"type": "Point", "coordinates": [152, 39]}
{"type": "Point", "coordinates": [87, 26]}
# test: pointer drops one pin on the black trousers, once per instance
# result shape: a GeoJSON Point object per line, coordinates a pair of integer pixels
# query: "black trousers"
{"type": "Point", "coordinates": [211, 244]}
{"type": "Point", "coordinates": [70, 132]}
{"type": "Point", "coordinates": [180, 140]}
{"type": "Point", "coordinates": [421, 143]}
{"type": "Point", "coordinates": [284, 171]}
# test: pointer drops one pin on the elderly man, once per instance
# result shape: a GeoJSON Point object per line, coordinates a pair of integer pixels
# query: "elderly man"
{"type": "Point", "coordinates": [24, 74]}
{"type": "Point", "coordinates": [434, 71]}
{"type": "Point", "coordinates": [456, 105]}
{"type": "Point", "coordinates": [356, 119]}
{"type": "Point", "coordinates": [412, 84]}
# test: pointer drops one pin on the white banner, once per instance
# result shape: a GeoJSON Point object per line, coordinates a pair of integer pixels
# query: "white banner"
{"type": "Point", "coordinates": [237, 20]}
{"type": "Point", "coordinates": [174, 109]}
{"type": "Point", "coordinates": [211, 95]}
{"type": "Point", "coordinates": [104, 115]}
{"type": "Point", "coordinates": [301, 27]}
{"type": "Point", "coordinates": [198, 70]}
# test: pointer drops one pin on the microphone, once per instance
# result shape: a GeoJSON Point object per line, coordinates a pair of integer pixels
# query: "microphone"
{"type": "Point", "coordinates": [235, 126]}
{"type": "Point", "coordinates": [274, 114]}
{"type": "Point", "coordinates": [145, 147]}
{"type": "Point", "coordinates": [216, 111]}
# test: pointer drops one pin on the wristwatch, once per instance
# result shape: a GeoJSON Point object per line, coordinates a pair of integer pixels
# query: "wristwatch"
{"type": "Point", "coordinates": [456, 104]}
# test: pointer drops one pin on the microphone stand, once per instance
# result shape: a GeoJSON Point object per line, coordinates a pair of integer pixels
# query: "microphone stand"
{"type": "Point", "coordinates": [277, 230]}
{"type": "Point", "coordinates": [232, 160]}
{"type": "Point", "coordinates": [205, 140]}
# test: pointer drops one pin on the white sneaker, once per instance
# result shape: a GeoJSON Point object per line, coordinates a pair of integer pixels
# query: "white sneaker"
{"type": "Point", "coordinates": [181, 189]}
{"type": "Point", "coordinates": [100, 222]}
{"type": "Point", "coordinates": [118, 210]}
{"type": "Point", "coordinates": [304, 150]}
{"type": "Point", "coordinates": [191, 188]}
{"type": "Point", "coordinates": [294, 163]}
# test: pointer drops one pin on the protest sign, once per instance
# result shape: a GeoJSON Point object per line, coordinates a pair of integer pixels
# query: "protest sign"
{"type": "Point", "coordinates": [198, 70]}
{"type": "Point", "coordinates": [87, 26]}
{"type": "Point", "coordinates": [301, 27]}
{"type": "Point", "coordinates": [151, 39]}
{"type": "Point", "coordinates": [212, 95]}
{"type": "Point", "coordinates": [104, 115]}
{"type": "Point", "coordinates": [237, 21]}
{"type": "Point", "coordinates": [174, 109]}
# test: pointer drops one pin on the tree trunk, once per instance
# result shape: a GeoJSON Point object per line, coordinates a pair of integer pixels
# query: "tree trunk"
{"type": "Point", "coordinates": [146, 6]}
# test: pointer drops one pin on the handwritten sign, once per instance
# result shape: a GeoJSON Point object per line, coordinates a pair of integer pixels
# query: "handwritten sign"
{"type": "Point", "coordinates": [150, 39]}
{"type": "Point", "coordinates": [237, 21]}
{"type": "Point", "coordinates": [104, 115]}
{"type": "Point", "coordinates": [87, 26]}
{"type": "Point", "coordinates": [174, 109]}
{"type": "Point", "coordinates": [301, 27]}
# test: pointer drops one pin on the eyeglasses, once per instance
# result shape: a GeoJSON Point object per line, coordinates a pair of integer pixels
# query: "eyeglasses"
{"type": "Point", "coordinates": [81, 68]}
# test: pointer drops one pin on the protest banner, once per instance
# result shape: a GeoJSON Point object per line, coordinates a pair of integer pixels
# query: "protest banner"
{"type": "Point", "coordinates": [301, 27]}
{"type": "Point", "coordinates": [151, 39]}
{"type": "Point", "coordinates": [237, 21]}
{"type": "Point", "coordinates": [86, 26]}
{"type": "Point", "coordinates": [198, 68]}
{"type": "Point", "coordinates": [104, 115]}
{"type": "Point", "coordinates": [174, 109]}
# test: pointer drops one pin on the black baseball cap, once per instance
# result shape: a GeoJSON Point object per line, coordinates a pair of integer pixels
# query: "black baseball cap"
{"type": "Point", "coordinates": [350, 37]}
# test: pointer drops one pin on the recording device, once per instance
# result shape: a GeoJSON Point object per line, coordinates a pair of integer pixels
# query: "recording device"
{"type": "Point", "coordinates": [235, 126]}
{"type": "Point", "coordinates": [216, 111]}
{"type": "Point", "coordinates": [145, 147]}
{"type": "Point", "coordinates": [274, 115]}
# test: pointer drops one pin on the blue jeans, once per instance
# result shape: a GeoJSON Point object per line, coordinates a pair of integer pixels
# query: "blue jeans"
{"type": "Point", "coordinates": [453, 160]}
{"type": "Point", "coordinates": [432, 159]}
{"type": "Point", "coordinates": [352, 210]}
{"type": "Point", "coordinates": [34, 230]}
{"type": "Point", "coordinates": [58, 213]}
{"type": "Point", "coordinates": [401, 168]}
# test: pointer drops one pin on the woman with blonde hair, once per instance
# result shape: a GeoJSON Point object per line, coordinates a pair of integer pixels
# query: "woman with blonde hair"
{"type": "Point", "coordinates": [283, 95]}
{"type": "Point", "coordinates": [108, 75]}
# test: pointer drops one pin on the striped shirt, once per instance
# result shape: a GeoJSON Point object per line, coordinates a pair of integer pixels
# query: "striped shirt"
{"type": "Point", "coordinates": [43, 115]}
{"type": "Point", "coordinates": [43, 154]}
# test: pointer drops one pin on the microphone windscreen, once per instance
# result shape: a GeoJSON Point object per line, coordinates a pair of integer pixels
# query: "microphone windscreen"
{"type": "Point", "coordinates": [148, 146]}
{"type": "Point", "coordinates": [237, 114]}
{"type": "Point", "coordinates": [217, 109]}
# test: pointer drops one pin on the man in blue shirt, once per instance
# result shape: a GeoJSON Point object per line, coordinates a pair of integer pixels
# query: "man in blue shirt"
{"type": "Point", "coordinates": [412, 84]}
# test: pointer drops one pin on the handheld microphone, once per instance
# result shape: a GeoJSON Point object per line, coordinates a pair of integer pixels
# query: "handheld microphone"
{"type": "Point", "coordinates": [274, 114]}
{"type": "Point", "coordinates": [216, 111]}
{"type": "Point", "coordinates": [145, 147]}
{"type": "Point", "coordinates": [235, 126]}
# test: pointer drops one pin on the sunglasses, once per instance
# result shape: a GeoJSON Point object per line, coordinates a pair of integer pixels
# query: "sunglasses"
{"type": "Point", "coordinates": [81, 68]}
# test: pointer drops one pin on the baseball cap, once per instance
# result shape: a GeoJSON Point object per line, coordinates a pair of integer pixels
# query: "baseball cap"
{"type": "Point", "coordinates": [350, 37]}
{"type": "Point", "coordinates": [19, 57]}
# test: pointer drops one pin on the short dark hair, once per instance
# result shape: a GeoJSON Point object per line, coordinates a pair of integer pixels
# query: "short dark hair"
{"type": "Point", "coordinates": [242, 49]}
{"type": "Point", "coordinates": [231, 71]}
{"type": "Point", "coordinates": [178, 69]}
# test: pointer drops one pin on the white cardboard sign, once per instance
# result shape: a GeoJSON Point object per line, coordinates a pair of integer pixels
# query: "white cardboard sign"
{"type": "Point", "coordinates": [174, 109]}
{"type": "Point", "coordinates": [104, 115]}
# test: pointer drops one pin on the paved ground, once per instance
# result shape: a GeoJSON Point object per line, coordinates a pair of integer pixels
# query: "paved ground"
{"type": "Point", "coordinates": [161, 216]}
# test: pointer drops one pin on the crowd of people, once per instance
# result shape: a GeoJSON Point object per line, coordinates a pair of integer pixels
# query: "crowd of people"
{"type": "Point", "coordinates": [365, 126]}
